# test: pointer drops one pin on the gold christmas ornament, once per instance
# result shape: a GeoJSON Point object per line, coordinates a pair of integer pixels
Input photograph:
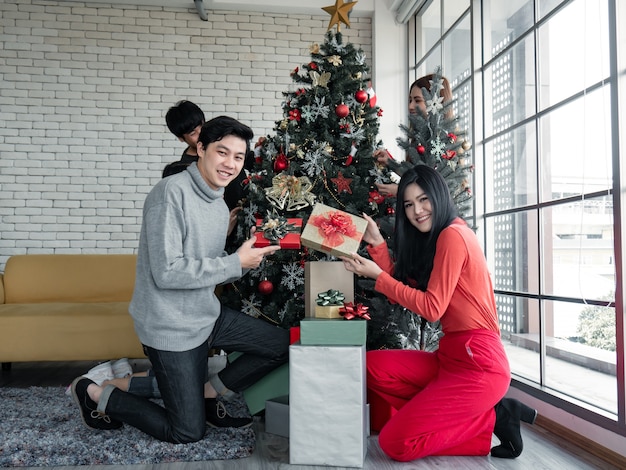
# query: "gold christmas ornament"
{"type": "Point", "coordinates": [339, 14]}
{"type": "Point", "coordinates": [466, 145]}
{"type": "Point", "coordinates": [314, 48]}
{"type": "Point", "coordinates": [334, 59]}
{"type": "Point", "coordinates": [290, 193]}
{"type": "Point", "coordinates": [320, 80]}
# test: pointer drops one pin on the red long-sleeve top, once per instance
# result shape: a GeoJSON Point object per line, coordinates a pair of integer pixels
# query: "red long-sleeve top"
{"type": "Point", "coordinates": [459, 292]}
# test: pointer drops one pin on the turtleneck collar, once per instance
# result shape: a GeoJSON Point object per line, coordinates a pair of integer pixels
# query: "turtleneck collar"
{"type": "Point", "coordinates": [202, 185]}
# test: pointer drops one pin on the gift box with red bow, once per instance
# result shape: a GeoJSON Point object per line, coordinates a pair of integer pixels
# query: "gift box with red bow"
{"type": "Point", "coordinates": [277, 230]}
{"type": "Point", "coordinates": [333, 231]}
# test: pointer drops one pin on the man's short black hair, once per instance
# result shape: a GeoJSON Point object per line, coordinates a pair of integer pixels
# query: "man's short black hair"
{"type": "Point", "coordinates": [184, 117]}
{"type": "Point", "coordinates": [221, 126]}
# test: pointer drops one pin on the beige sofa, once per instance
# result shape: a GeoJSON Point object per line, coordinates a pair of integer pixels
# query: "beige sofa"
{"type": "Point", "coordinates": [67, 308]}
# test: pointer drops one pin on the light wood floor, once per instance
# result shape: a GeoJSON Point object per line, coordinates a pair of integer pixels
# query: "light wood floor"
{"type": "Point", "coordinates": [542, 450]}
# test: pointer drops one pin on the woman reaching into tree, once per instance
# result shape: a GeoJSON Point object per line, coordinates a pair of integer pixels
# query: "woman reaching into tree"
{"type": "Point", "coordinates": [417, 104]}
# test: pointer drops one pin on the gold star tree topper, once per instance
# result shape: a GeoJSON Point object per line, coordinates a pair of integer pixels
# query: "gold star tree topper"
{"type": "Point", "coordinates": [339, 13]}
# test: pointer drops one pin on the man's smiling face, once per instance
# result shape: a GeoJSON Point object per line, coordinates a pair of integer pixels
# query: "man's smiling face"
{"type": "Point", "coordinates": [221, 161]}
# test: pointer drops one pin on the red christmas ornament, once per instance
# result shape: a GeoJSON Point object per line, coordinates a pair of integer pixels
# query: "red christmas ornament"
{"type": "Point", "coordinates": [266, 287]}
{"type": "Point", "coordinates": [390, 210]}
{"type": "Point", "coordinates": [281, 163]}
{"type": "Point", "coordinates": [421, 149]}
{"type": "Point", "coordinates": [361, 96]}
{"type": "Point", "coordinates": [376, 197]}
{"type": "Point", "coordinates": [295, 115]}
{"type": "Point", "coordinates": [342, 183]}
{"type": "Point", "coordinates": [348, 161]}
{"type": "Point", "coordinates": [342, 110]}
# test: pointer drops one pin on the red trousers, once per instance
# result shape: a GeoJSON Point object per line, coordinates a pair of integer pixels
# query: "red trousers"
{"type": "Point", "coordinates": [445, 399]}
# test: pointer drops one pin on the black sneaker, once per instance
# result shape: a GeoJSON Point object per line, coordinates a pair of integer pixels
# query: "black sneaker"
{"type": "Point", "coordinates": [218, 417]}
{"type": "Point", "coordinates": [88, 408]}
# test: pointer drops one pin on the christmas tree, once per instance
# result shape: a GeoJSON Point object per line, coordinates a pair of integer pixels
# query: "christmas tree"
{"type": "Point", "coordinates": [432, 139]}
{"type": "Point", "coordinates": [321, 151]}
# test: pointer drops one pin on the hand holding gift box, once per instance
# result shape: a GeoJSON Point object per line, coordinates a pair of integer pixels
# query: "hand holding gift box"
{"type": "Point", "coordinates": [275, 229]}
{"type": "Point", "coordinates": [328, 304]}
{"type": "Point", "coordinates": [333, 231]}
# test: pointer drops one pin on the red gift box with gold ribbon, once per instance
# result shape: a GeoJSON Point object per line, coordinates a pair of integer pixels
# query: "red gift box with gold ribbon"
{"type": "Point", "coordinates": [287, 237]}
{"type": "Point", "coordinates": [333, 231]}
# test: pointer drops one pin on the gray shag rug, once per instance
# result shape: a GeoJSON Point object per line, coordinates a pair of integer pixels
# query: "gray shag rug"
{"type": "Point", "coordinates": [41, 426]}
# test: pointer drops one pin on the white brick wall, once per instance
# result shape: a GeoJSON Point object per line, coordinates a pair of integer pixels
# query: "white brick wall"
{"type": "Point", "coordinates": [83, 96]}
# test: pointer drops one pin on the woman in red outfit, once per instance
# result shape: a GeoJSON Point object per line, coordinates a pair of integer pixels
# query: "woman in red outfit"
{"type": "Point", "coordinates": [450, 401]}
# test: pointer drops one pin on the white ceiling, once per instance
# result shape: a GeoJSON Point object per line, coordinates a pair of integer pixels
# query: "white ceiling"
{"type": "Point", "coordinates": [363, 8]}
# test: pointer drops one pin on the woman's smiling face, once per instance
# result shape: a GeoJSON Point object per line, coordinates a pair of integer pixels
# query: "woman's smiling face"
{"type": "Point", "coordinates": [417, 208]}
{"type": "Point", "coordinates": [416, 101]}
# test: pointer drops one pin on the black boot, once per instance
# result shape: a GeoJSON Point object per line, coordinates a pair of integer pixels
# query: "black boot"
{"type": "Point", "coordinates": [509, 413]}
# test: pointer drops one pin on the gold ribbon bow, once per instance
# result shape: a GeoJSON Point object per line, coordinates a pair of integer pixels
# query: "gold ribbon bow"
{"type": "Point", "coordinates": [290, 193]}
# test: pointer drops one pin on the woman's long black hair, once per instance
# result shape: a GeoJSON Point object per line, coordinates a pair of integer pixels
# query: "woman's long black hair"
{"type": "Point", "coordinates": [414, 250]}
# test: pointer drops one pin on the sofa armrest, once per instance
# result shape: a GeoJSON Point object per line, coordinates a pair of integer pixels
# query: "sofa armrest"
{"type": "Point", "coordinates": [1, 288]}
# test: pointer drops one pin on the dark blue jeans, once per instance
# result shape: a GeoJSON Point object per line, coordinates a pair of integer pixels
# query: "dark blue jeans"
{"type": "Point", "coordinates": [264, 347]}
{"type": "Point", "coordinates": [181, 377]}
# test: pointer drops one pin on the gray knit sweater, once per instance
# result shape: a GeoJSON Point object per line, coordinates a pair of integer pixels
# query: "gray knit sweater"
{"type": "Point", "coordinates": [181, 259]}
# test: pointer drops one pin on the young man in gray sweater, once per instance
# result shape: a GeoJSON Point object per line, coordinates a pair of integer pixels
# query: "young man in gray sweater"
{"type": "Point", "coordinates": [177, 316]}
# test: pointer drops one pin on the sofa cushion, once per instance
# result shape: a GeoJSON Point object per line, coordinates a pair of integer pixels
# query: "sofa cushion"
{"type": "Point", "coordinates": [38, 278]}
{"type": "Point", "coordinates": [56, 331]}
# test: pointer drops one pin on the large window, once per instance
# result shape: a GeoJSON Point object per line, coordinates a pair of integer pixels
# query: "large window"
{"type": "Point", "coordinates": [536, 83]}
